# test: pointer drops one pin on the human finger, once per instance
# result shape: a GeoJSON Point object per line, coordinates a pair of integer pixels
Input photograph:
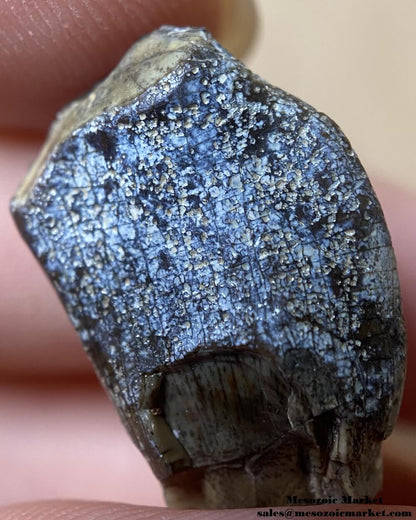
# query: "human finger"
{"type": "Point", "coordinates": [75, 510]}
{"type": "Point", "coordinates": [65, 439]}
{"type": "Point", "coordinates": [399, 210]}
{"type": "Point", "coordinates": [52, 52]}
{"type": "Point", "coordinates": [399, 466]}
{"type": "Point", "coordinates": [36, 336]}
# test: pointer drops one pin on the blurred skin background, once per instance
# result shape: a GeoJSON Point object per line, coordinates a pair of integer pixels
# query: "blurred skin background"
{"type": "Point", "coordinates": [354, 60]}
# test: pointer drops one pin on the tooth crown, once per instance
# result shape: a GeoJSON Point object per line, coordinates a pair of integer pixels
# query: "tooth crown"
{"type": "Point", "coordinates": [218, 246]}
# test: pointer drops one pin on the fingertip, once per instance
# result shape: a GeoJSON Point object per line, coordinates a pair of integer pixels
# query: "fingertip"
{"type": "Point", "coordinates": [399, 210]}
{"type": "Point", "coordinates": [54, 52]}
{"type": "Point", "coordinates": [37, 338]}
{"type": "Point", "coordinates": [74, 510]}
{"type": "Point", "coordinates": [399, 455]}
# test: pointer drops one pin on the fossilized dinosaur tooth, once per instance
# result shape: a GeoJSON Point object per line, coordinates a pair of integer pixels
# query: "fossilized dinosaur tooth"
{"type": "Point", "coordinates": [218, 246]}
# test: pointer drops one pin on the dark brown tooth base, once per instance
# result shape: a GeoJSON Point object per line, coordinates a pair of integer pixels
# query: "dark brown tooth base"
{"type": "Point", "coordinates": [220, 250]}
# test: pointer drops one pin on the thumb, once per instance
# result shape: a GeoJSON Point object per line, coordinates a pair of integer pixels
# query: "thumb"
{"type": "Point", "coordinates": [76, 510]}
{"type": "Point", "coordinates": [52, 52]}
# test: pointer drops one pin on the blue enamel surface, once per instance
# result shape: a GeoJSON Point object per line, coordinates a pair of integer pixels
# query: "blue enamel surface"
{"type": "Point", "coordinates": [230, 214]}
